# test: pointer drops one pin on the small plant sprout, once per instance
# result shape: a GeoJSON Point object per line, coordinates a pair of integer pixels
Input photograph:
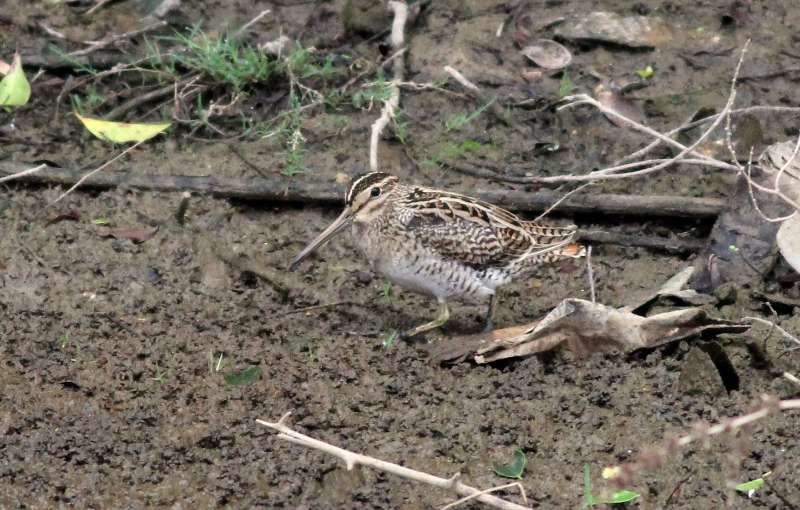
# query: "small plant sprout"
{"type": "Point", "coordinates": [400, 127]}
{"type": "Point", "coordinates": [161, 375]}
{"type": "Point", "coordinates": [386, 292]}
{"type": "Point", "coordinates": [752, 486]}
{"type": "Point", "coordinates": [566, 86]}
{"type": "Point", "coordinates": [618, 497]}
{"type": "Point", "coordinates": [453, 151]}
{"type": "Point", "coordinates": [377, 91]}
{"type": "Point", "coordinates": [101, 221]}
{"type": "Point", "coordinates": [515, 468]}
{"type": "Point", "coordinates": [459, 121]}
{"type": "Point", "coordinates": [294, 163]}
{"type": "Point", "coordinates": [64, 341]}
{"type": "Point", "coordinates": [244, 377]}
{"type": "Point", "coordinates": [390, 340]}
{"type": "Point", "coordinates": [645, 73]}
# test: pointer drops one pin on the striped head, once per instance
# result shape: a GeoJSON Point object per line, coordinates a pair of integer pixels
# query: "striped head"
{"type": "Point", "coordinates": [367, 197]}
{"type": "Point", "coordinates": [368, 194]}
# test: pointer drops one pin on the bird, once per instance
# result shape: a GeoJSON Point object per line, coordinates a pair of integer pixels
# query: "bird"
{"type": "Point", "coordinates": [442, 244]}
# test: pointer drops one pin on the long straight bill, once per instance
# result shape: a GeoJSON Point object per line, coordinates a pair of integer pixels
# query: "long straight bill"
{"type": "Point", "coordinates": [334, 228]}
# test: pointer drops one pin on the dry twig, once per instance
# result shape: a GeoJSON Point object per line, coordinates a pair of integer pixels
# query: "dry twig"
{"type": "Point", "coordinates": [108, 41]}
{"type": "Point", "coordinates": [250, 23]}
{"type": "Point", "coordinates": [397, 39]}
{"type": "Point", "coordinates": [352, 459]}
{"type": "Point", "coordinates": [773, 326]}
{"type": "Point", "coordinates": [22, 173]}
{"type": "Point", "coordinates": [90, 174]}
{"type": "Point", "coordinates": [623, 474]}
{"type": "Point", "coordinates": [488, 491]}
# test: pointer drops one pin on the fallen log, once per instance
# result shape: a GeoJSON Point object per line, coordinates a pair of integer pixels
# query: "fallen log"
{"type": "Point", "coordinates": [284, 189]}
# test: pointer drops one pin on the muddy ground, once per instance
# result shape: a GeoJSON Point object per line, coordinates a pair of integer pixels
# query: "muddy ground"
{"type": "Point", "coordinates": [112, 392]}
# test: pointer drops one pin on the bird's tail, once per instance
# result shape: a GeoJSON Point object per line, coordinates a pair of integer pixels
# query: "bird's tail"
{"type": "Point", "coordinates": [572, 250]}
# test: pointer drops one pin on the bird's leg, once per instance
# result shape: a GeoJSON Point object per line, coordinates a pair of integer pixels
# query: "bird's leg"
{"type": "Point", "coordinates": [441, 318]}
{"type": "Point", "coordinates": [490, 314]}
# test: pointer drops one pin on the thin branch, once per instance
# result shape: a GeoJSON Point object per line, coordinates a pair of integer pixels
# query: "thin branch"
{"type": "Point", "coordinates": [792, 378]}
{"type": "Point", "coordinates": [352, 459]}
{"type": "Point", "coordinates": [562, 199]}
{"type": "Point", "coordinates": [612, 173]}
{"type": "Point", "coordinates": [250, 23]}
{"type": "Point", "coordinates": [486, 102]}
{"type": "Point", "coordinates": [98, 5]}
{"type": "Point", "coordinates": [397, 39]}
{"type": "Point", "coordinates": [104, 165]}
{"type": "Point", "coordinates": [22, 173]}
{"type": "Point", "coordinates": [623, 475]}
{"type": "Point", "coordinates": [461, 79]}
{"type": "Point", "coordinates": [774, 326]}
{"type": "Point", "coordinates": [97, 45]}
{"type": "Point", "coordinates": [141, 99]}
{"type": "Point", "coordinates": [488, 491]}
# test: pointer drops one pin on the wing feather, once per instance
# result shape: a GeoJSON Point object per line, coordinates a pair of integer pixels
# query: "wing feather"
{"type": "Point", "coordinates": [477, 233]}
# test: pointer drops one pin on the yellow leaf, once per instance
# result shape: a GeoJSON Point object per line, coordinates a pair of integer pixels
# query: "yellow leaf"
{"type": "Point", "coordinates": [14, 88]}
{"type": "Point", "coordinates": [121, 132]}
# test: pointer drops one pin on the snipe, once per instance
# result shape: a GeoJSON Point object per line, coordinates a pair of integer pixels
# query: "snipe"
{"type": "Point", "coordinates": [442, 244]}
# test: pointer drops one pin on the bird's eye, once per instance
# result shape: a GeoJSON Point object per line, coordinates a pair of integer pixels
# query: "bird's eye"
{"type": "Point", "coordinates": [375, 192]}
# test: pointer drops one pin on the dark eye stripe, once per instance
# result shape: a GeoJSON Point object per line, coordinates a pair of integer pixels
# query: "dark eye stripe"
{"type": "Point", "coordinates": [363, 182]}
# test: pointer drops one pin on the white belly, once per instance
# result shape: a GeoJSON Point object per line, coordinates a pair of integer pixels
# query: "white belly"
{"type": "Point", "coordinates": [424, 272]}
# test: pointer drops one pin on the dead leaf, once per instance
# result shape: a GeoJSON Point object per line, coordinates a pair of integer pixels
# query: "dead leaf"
{"type": "Point", "coordinates": [136, 235]}
{"type": "Point", "coordinates": [585, 327]}
{"type": "Point", "coordinates": [548, 54]}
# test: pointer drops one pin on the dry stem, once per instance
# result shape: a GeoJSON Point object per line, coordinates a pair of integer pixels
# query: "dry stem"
{"type": "Point", "coordinates": [397, 39]}
{"type": "Point", "coordinates": [791, 377]}
{"type": "Point", "coordinates": [251, 23]}
{"type": "Point", "coordinates": [352, 459]}
{"type": "Point", "coordinates": [97, 45]}
{"type": "Point", "coordinates": [653, 458]}
{"type": "Point", "coordinates": [23, 173]}
{"type": "Point", "coordinates": [88, 175]}
{"type": "Point", "coordinates": [639, 168]}
{"type": "Point", "coordinates": [773, 326]}
{"type": "Point", "coordinates": [488, 491]}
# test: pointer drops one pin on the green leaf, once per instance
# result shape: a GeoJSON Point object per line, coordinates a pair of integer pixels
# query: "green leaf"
{"type": "Point", "coordinates": [391, 340]}
{"type": "Point", "coordinates": [247, 376]}
{"type": "Point", "coordinates": [622, 497]}
{"type": "Point", "coordinates": [515, 469]}
{"type": "Point", "coordinates": [566, 86]}
{"type": "Point", "coordinates": [14, 87]}
{"type": "Point", "coordinates": [121, 132]}
{"type": "Point", "coordinates": [101, 221]}
{"type": "Point", "coordinates": [750, 487]}
{"type": "Point", "coordinates": [645, 73]}
{"type": "Point", "coordinates": [588, 499]}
